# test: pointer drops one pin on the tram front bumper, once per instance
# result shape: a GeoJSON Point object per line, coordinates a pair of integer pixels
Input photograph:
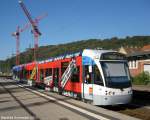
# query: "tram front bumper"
{"type": "Point", "coordinates": [112, 100]}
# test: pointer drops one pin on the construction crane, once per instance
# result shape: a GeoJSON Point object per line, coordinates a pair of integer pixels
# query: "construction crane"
{"type": "Point", "coordinates": [16, 34]}
{"type": "Point", "coordinates": [36, 33]}
{"type": "Point", "coordinates": [35, 29]}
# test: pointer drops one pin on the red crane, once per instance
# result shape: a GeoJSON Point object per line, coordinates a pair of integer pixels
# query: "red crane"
{"type": "Point", "coordinates": [16, 34]}
{"type": "Point", "coordinates": [35, 29]}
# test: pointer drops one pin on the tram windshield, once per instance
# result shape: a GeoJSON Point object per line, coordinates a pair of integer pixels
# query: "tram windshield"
{"type": "Point", "coordinates": [116, 74]}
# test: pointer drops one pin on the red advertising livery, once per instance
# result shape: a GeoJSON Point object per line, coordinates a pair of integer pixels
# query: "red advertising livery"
{"type": "Point", "coordinates": [99, 76]}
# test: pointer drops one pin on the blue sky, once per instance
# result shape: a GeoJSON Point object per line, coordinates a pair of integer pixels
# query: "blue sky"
{"type": "Point", "coordinates": [72, 20]}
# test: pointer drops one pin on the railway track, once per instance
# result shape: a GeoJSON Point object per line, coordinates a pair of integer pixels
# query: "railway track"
{"type": "Point", "coordinates": [30, 97]}
{"type": "Point", "coordinates": [139, 107]}
{"type": "Point", "coordinates": [132, 110]}
{"type": "Point", "coordinates": [6, 76]}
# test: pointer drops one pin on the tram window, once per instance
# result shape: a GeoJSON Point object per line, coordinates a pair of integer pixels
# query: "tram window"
{"type": "Point", "coordinates": [88, 76]}
{"type": "Point", "coordinates": [64, 66]}
{"type": "Point", "coordinates": [97, 77]}
{"type": "Point", "coordinates": [24, 73]}
{"type": "Point", "coordinates": [48, 72]}
{"type": "Point", "coordinates": [41, 74]}
{"type": "Point", "coordinates": [56, 76]}
{"type": "Point", "coordinates": [113, 56]}
{"type": "Point", "coordinates": [30, 72]}
{"type": "Point", "coordinates": [63, 70]}
{"type": "Point", "coordinates": [76, 75]}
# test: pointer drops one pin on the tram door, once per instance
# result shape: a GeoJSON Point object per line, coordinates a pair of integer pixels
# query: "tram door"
{"type": "Point", "coordinates": [56, 79]}
{"type": "Point", "coordinates": [88, 82]}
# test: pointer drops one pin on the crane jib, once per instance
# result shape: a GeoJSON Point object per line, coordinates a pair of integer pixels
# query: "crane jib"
{"type": "Point", "coordinates": [35, 28]}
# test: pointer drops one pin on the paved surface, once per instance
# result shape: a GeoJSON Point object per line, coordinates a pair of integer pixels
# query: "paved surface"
{"type": "Point", "coordinates": [23, 103]}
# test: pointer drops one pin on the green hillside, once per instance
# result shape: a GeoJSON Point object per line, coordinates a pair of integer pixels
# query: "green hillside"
{"type": "Point", "coordinates": [45, 52]}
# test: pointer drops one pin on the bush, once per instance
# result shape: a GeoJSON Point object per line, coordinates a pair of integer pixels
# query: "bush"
{"type": "Point", "coordinates": [142, 79]}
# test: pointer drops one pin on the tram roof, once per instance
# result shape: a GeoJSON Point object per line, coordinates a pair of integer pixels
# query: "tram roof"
{"type": "Point", "coordinates": [64, 56]}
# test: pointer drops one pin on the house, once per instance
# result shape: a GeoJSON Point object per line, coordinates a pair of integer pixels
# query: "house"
{"type": "Point", "coordinates": [128, 50]}
{"type": "Point", "coordinates": [146, 48]}
{"type": "Point", "coordinates": [138, 59]}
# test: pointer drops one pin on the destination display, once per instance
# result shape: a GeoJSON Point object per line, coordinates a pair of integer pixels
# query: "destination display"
{"type": "Point", "coordinates": [113, 56]}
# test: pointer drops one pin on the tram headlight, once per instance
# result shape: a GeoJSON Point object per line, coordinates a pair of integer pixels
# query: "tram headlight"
{"type": "Point", "coordinates": [109, 93]}
{"type": "Point", "coordinates": [106, 92]}
{"type": "Point", "coordinates": [130, 92]}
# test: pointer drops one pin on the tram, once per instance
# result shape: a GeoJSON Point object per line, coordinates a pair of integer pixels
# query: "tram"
{"type": "Point", "coordinates": [98, 76]}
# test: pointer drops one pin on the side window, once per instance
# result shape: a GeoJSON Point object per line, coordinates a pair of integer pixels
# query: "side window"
{"type": "Point", "coordinates": [30, 72]}
{"type": "Point", "coordinates": [56, 76]}
{"type": "Point", "coordinates": [41, 74]}
{"type": "Point", "coordinates": [97, 76]}
{"type": "Point", "coordinates": [48, 72]}
{"type": "Point", "coordinates": [76, 75]}
{"type": "Point", "coordinates": [64, 66]}
{"type": "Point", "coordinates": [25, 73]}
{"type": "Point", "coordinates": [87, 75]}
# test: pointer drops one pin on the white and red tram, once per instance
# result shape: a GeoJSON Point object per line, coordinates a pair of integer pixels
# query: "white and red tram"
{"type": "Point", "coordinates": [99, 76]}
